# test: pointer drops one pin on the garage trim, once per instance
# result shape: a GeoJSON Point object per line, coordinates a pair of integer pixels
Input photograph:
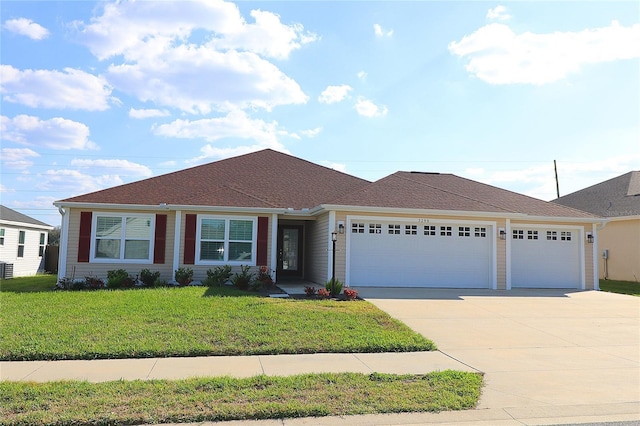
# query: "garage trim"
{"type": "Point", "coordinates": [423, 221]}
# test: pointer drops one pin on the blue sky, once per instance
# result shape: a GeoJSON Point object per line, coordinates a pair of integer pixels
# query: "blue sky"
{"type": "Point", "coordinates": [97, 94]}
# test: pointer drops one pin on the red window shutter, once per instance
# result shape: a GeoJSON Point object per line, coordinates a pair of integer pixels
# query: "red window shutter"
{"type": "Point", "coordinates": [263, 233]}
{"type": "Point", "coordinates": [84, 241]}
{"type": "Point", "coordinates": [190, 239]}
{"type": "Point", "coordinates": [160, 239]}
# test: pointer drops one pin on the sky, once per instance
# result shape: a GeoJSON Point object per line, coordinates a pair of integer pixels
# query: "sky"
{"type": "Point", "coordinates": [97, 94]}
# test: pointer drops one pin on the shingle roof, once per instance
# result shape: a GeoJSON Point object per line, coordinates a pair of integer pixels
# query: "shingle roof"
{"type": "Point", "coordinates": [270, 179]}
{"type": "Point", "coordinates": [414, 190]}
{"type": "Point", "coordinates": [263, 179]}
{"type": "Point", "coordinates": [11, 215]}
{"type": "Point", "coordinates": [615, 197]}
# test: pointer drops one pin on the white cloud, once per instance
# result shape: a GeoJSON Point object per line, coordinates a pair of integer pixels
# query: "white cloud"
{"type": "Point", "coordinates": [197, 56]}
{"type": "Point", "coordinates": [26, 27]}
{"type": "Point", "coordinates": [362, 76]}
{"type": "Point", "coordinates": [381, 32]}
{"type": "Point", "coordinates": [333, 94]}
{"type": "Point", "coordinates": [367, 108]}
{"type": "Point", "coordinates": [234, 125]}
{"type": "Point", "coordinates": [18, 158]}
{"type": "Point", "coordinates": [498, 13]}
{"type": "Point", "coordinates": [495, 54]}
{"type": "Point", "coordinates": [72, 89]}
{"type": "Point", "coordinates": [55, 133]}
{"type": "Point", "coordinates": [311, 133]}
{"type": "Point", "coordinates": [148, 113]}
{"type": "Point", "coordinates": [119, 167]}
{"type": "Point", "coordinates": [199, 79]}
{"type": "Point", "coordinates": [75, 182]}
{"type": "Point", "coordinates": [210, 152]}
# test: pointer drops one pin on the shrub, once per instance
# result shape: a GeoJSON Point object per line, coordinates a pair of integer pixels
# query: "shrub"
{"type": "Point", "coordinates": [150, 279]}
{"type": "Point", "coordinates": [218, 276]}
{"type": "Point", "coordinates": [117, 278]}
{"type": "Point", "coordinates": [334, 288]}
{"type": "Point", "coordinates": [184, 275]}
{"type": "Point", "coordinates": [264, 275]}
{"type": "Point", "coordinates": [243, 279]}
{"type": "Point", "coordinates": [93, 283]}
{"type": "Point", "coordinates": [64, 283]}
{"type": "Point", "coordinates": [310, 291]}
{"type": "Point", "coordinates": [323, 292]}
{"type": "Point", "coordinates": [350, 293]}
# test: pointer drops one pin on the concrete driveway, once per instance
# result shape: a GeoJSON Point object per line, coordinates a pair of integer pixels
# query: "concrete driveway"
{"type": "Point", "coordinates": [545, 353]}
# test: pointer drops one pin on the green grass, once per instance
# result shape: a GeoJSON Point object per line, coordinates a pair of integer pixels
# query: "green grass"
{"type": "Point", "coordinates": [191, 321]}
{"type": "Point", "coordinates": [622, 287]}
{"type": "Point", "coordinates": [224, 398]}
{"type": "Point", "coordinates": [45, 282]}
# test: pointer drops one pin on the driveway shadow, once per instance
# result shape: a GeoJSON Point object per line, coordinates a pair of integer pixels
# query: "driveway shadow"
{"type": "Point", "coordinates": [409, 293]}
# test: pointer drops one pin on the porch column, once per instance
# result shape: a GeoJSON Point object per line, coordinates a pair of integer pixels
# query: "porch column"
{"type": "Point", "coordinates": [176, 242]}
{"type": "Point", "coordinates": [274, 246]}
{"type": "Point", "coordinates": [332, 227]}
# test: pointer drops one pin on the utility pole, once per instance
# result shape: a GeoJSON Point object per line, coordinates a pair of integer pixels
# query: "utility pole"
{"type": "Point", "coordinates": [555, 168]}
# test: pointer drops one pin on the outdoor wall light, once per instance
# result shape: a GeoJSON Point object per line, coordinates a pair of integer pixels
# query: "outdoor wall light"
{"type": "Point", "coordinates": [590, 238]}
{"type": "Point", "coordinates": [341, 227]}
{"type": "Point", "coordinates": [503, 234]}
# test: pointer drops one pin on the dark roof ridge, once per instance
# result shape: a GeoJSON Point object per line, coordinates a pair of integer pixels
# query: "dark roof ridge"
{"type": "Point", "coordinates": [455, 193]}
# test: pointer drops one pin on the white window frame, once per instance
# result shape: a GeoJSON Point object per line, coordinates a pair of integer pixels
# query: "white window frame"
{"type": "Point", "coordinates": [21, 244]}
{"type": "Point", "coordinates": [225, 261]}
{"type": "Point", "coordinates": [2, 232]}
{"type": "Point", "coordinates": [42, 244]}
{"type": "Point", "coordinates": [123, 217]}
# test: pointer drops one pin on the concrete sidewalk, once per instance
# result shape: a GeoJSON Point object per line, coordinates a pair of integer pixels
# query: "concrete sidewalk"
{"type": "Point", "coordinates": [234, 366]}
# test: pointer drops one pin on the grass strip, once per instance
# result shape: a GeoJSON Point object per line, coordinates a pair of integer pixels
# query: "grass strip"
{"type": "Point", "coordinates": [224, 398]}
{"type": "Point", "coordinates": [622, 287]}
{"type": "Point", "coordinates": [191, 321]}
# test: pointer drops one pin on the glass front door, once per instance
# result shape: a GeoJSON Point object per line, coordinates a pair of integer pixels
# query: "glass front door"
{"type": "Point", "coordinates": [290, 251]}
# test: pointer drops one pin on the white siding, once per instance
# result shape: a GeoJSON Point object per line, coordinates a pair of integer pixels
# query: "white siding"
{"type": "Point", "coordinates": [31, 263]}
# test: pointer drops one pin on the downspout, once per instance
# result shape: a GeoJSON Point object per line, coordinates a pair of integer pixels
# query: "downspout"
{"type": "Point", "coordinates": [64, 242]}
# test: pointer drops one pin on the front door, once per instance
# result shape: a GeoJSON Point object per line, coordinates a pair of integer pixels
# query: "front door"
{"type": "Point", "coordinates": [290, 251]}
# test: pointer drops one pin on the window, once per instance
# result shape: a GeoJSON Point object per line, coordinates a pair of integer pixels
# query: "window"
{"type": "Point", "coordinates": [518, 234]}
{"type": "Point", "coordinates": [21, 236]}
{"type": "Point", "coordinates": [122, 237]}
{"type": "Point", "coordinates": [532, 235]}
{"type": "Point", "coordinates": [565, 235]}
{"type": "Point", "coordinates": [375, 228]}
{"type": "Point", "coordinates": [41, 249]}
{"type": "Point", "coordinates": [464, 231]}
{"type": "Point", "coordinates": [394, 229]}
{"type": "Point", "coordinates": [429, 230]}
{"type": "Point", "coordinates": [1, 236]}
{"type": "Point", "coordinates": [227, 240]}
{"type": "Point", "coordinates": [411, 229]}
{"type": "Point", "coordinates": [357, 228]}
{"type": "Point", "coordinates": [480, 232]}
{"type": "Point", "coordinates": [552, 235]}
{"type": "Point", "coordinates": [445, 231]}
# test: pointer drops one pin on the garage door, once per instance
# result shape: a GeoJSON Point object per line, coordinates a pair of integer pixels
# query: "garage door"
{"type": "Point", "coordinates": [545, 258]}
{"type": "Point", "coordinates": [388, 253]}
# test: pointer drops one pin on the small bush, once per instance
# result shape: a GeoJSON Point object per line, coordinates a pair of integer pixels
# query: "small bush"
{"type": "Point", "coordinates": [118, 278]}
{"type": "Point", "coordinates": [184, 275]}
{"type": "Point", "coordinates": [310, 291]}
{"type": "Point", "coordinates": [218, 276]}
{"type": "Point", "coordinates": [334, 288]}
{"type": "Point", "coordinates": [323, 292]}
{"type": "Point", "coordinates": [350, 293]}
{"type": "Point", "coordinates": [150, 279]}
{"type": "Point", "coordinates": [243, 279]}
{"type": "Point", "coordinates": [93, 283]}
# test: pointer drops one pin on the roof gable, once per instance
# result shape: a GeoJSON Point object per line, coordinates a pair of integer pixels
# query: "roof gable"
{"type": "Point", "coordinates": [616, 197]}
{"type": "Point", "coordinates": [435, 191]}
{"type": "Point", "coordinates": [262, 179]}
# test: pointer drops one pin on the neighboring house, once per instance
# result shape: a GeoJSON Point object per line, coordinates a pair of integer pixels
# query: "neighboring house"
{"type": "Point", "coordinates": [23, 241]}
{"type": "Point", "coordinates": [271, 209]}
{"type": "Point", "coordinates": [618, 200]}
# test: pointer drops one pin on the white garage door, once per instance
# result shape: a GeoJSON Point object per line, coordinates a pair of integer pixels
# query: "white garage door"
{"type": "Point", "coordinates": [388, 253]}
{"type": "Point", "coordinates": [545, 258]}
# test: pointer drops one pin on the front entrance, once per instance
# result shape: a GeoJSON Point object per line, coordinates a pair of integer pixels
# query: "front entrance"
{"type": "Point", "coordinates": [290, 251]}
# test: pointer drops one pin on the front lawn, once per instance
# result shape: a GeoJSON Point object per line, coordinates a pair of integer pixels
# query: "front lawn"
{"type": "Point", "coordinates": [622, 287]}
{"type": "Point", "coordinates": [43, 282]}
{"type": "Point", "coordinates": [191, 321]}
{"type": "Point", "coordinates": [224, 398]}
